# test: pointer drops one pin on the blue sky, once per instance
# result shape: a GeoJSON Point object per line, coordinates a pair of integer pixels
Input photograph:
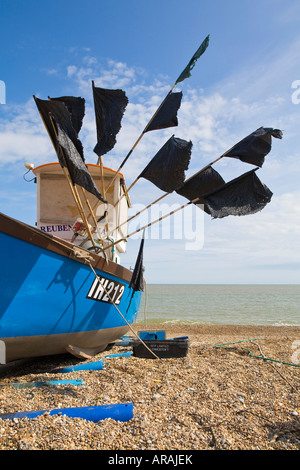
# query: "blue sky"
{"type": "Point", "coordinates": [247, 78]}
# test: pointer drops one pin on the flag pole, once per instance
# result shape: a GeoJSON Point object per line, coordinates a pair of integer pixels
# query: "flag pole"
{"type": "Point", "coordinates": [151, 223]}
{"type": "Point", "coordinates": [76, 195]}
{"type": "Point", "coordinates": [72, 188]}
{"type": "Point", "coordinates": [82, 189]}
{"type": "Point", "coordinates": [191, 177]}
{"type": "Point", "coordinates": [166, 194]}
{"type": "Point", "coordinates": [126, 191]}
{"type": "Point", "coordinates": [139, 138]}
{"type": "Point", "coordinates": [56, 151]}
{"type": "Point", "coordinates": [140, 212]}
{"type": "Point", "coordinates": [100, 161]}
{"type": "Point", "coordinates": [191, 64]}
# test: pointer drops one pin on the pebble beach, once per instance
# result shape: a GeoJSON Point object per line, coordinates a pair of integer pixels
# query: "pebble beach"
{"type": "Point", "coordinates": [238, 388]}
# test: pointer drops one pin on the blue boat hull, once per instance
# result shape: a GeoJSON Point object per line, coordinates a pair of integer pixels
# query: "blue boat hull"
{"type": "Point", "coordinates": [51, 303]}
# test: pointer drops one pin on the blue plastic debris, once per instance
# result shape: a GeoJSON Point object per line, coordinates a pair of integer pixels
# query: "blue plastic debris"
{"type": "Point", "coordinates": [124, 354]}
{"type": "Point", "coordinates": [152, 334]}
{"type": "Point", "coordinates": [118, 412]}
{"type": "Point", "coordinates": [179, 338]}
{"type": "Point", "coordinates": [125, 340]}
{"type": "Point", "coordinates": [47, 382]}
{"type": "Point", "coordinates": [97, 365]}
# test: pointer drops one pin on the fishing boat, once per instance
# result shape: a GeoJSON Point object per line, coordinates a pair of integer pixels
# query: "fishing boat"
{"type": "Point", "coordinates": [63, 286]}
{"type": "Point", "coordinates": [51, 301]}
{"type": "Point", "coordinates": [56, 295]}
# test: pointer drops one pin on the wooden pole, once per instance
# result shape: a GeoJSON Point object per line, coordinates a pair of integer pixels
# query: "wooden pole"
{"type": "Point", "coordinates": [78, 203]}
{"type": "Point", "coordinates": [100, 160]}
{"type": "Point", "coordinates": [126, 191]}
{"type": "Point", "coordinates": [163, 217]}
{"type": "Point", "coordinates": [82, 189]}
{"type": "Point", "coordinates": [92, 215]}
{"type": "Point", "coordinates": [146, 128]}
{"type": "Point", "coordinates": [140, 212]}
{"type": "Point", "coordinates": [166, 194]}
{"type": "Point", "coordinates": [140, 137]}
{"type": "Point", "coordinates": [67, 175]}
{"type": "Point", "coordinates": [151, 223]}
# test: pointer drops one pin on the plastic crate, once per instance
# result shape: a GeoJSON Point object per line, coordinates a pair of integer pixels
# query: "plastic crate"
{"type": "Point", "coordinates": [152, 334]}
{"type": "Point", "coordinates": [162, 348]}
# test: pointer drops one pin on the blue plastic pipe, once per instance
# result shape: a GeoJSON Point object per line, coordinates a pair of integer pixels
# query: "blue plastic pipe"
{"type": "Point", "coordinates": [125, 354]}
{"type": "Point", "coordinates": [47, 382]}
{"type": "Point", "coordinates": [118, 412]}
{"type": "Point", "coordinates": [97, 365]}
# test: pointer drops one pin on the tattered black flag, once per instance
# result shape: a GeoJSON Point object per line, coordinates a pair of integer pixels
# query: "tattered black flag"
{"type": "Point", "coordinates": [167, 167]}
{"type": "Point", "coordinates": [110, 106]}
{"type": "Point", "coordinates": [137, 280]}
{"type": "Point", "coordinates": [69, 157]}
{"type": "Point", "coordinates": [187, 71]}
{"type": "Point", "coordinates": [167, 114]}
{"type": "Point", "coordinates": [253, 148]}
{"type": "Point", "coordinates": [76, 107]}
{"type": "Point", "coordinates": [200, 184]}
{"type": "Point", "coordinates": [50, 109]}
{"type": "Point", "coordinates": [242, 196]}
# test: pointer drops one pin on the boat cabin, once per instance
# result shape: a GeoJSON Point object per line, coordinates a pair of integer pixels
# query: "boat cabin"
{"type": "Point", "coordinates": [58, 214]}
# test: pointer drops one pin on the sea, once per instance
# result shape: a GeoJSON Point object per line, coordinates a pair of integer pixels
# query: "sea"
{"type": "Point", "coordinates": [221, 304]}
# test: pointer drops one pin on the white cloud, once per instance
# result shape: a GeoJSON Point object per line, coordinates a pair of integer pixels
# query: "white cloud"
{"type": "Point", "coordinates": [214, 122]}
{"type": "Point", "coordinates": [23, 136]}
{"type": "Point", "coordinates": [269, 237]}
{"type": "Point", "coordinates": [71, 70]}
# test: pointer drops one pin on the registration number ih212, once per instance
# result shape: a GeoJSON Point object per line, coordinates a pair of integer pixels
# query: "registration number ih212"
{"type": "Point", "coordinates": [106, 290]}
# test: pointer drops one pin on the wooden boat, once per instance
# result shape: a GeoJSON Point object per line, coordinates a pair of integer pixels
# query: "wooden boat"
{"type": "Point", "coordinates": [63, 287]}
{"type": "Point", "coordinates": [51, 299]}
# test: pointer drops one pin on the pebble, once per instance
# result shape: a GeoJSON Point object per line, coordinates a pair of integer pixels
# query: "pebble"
{"type": "Point", "coordinates": [191, 403]}
{"type": "Point", "coordinates": [156, 397]}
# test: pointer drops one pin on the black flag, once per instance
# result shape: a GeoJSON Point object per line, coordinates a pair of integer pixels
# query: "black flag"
{"type": "Point", "coordinates": [110, 106]}
{"type": "Point", "coordinates": [58, 110]}
{"type": "Point", "coordinates": [200, 184]}
{"type": "Point", "coordinates": [187, 71]}
{"type": "Point", "coordinates": [76, 107]}
{"type": "Point", "coordinates": [241, 196]}
{"type": "Point", "coordinates": [167, 167]}
{"type": "Point", "coordinates": [137, 280]}
{"type": "Point", "coordinates": [253, 148]}
{"type": "Point", "coordinates": [167, 114]}
{"type": "Point", "coordinates": [71, 159]}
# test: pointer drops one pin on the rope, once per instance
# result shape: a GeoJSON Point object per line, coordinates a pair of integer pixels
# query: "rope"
{"type": "Point", "coordinates": [263, 357]}
{"type": "Point", "coordinates": [253, 355]}
{"type": "Point", "coordinates": [145, 304]}
{"type": "Point", "coordinates": [128, 324]}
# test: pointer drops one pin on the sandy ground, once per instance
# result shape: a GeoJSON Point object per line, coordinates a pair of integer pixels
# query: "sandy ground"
{"type": "Point", "coordinates": [241, 396]}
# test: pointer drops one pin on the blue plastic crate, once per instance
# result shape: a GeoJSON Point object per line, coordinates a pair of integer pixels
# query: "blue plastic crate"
{"type": "Point", "coordinates": [152, 334]}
